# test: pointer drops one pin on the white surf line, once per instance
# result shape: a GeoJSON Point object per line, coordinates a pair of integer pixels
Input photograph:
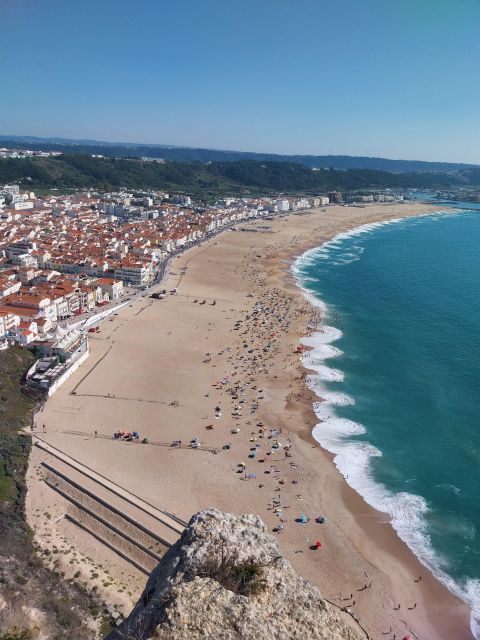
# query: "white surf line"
{"type": "Point", "coordinates": [353, 459]}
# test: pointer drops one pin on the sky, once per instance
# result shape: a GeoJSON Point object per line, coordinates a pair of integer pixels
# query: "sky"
{"type": "Point", "coordinates": [390, 78]}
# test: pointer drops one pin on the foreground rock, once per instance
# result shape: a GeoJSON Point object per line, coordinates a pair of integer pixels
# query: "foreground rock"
{"type": "Point", "coordinates": [224, 580]}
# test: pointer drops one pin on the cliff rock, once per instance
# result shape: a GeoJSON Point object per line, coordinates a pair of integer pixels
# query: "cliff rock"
{"type": "Point", "coordinates": [225, 579]}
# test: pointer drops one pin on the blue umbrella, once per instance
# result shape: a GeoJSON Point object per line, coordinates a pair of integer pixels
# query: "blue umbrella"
{"type": "Point", "coordinates": [302, 519]}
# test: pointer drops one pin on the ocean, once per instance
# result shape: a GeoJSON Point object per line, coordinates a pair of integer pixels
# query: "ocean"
{"type": "Point", "coordinates": [397, 363]}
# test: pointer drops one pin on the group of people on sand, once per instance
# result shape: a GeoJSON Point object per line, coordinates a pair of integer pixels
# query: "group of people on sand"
{"type": "Point", "coordinates": [251, 354]}
{"type": "Point", "coordinates": [128, 436]}
{"type": "Point", "coordinates": [257, 341]}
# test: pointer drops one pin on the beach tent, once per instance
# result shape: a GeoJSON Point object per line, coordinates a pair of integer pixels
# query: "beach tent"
{"type": "Point", "coordinates": [302, 519]}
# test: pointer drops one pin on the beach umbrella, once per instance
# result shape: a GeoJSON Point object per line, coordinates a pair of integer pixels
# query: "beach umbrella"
{"type": "Point", "coordinates": [318, 544]}
{"type": "Point", "coordinates": [302, 519]}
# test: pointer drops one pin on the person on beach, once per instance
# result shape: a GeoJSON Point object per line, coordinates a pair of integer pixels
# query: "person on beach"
{"type": "Point", "coordinates": [44, 429]}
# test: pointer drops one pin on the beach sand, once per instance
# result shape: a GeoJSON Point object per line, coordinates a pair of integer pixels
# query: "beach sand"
{"type": "Point", "coordinates": [162, 367]}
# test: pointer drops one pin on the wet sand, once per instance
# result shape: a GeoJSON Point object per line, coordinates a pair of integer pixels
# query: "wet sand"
{"type": "Point", "coordinates": [162, 367]}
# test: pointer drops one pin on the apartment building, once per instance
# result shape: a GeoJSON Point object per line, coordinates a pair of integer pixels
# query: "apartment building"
{"type": "Point", "coordinates": [111, 287]}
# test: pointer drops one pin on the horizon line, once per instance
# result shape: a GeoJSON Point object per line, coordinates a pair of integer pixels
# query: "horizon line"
{"type": "Point", "coordinates": [91, 142]}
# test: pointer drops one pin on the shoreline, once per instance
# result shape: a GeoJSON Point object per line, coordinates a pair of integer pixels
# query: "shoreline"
{"type": "Point", "coordinates": [238, 270]}
{"type": "Point", "coordinates": [360, 518]}
{"type": "Point", "coordinates": [318, 399]}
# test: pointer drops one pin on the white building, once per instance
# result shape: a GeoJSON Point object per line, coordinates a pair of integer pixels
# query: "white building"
{"type": "Point", "coordinates": [136, 274]}
{"type": "Point", "coordinates": [110, 286]}
{"type": "Point", "coordinates": [22, 205]}
{"type": "Point", "coordinates": [185, 201]}
{"type": "Point", "coordinates": [282, 205]}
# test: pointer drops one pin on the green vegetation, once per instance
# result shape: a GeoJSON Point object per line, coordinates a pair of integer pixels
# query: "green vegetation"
{"type": "Point", "coordinates": [24, 580]}
{"type": "Point", "coordinates": [247, 177]}
{"type": "Point", "coordinates": [16, 634]}
{"type": "Point", "coordinates": [192, 154]}
{"type": "Point", "coordinates": [245, 578]}
{"type": "Point", "coordinates": [16, 409]}
{"type": "Point", "coordinates": [105, 628]}
{"type": "Point", "coordinates": [7, 485]}
{"type": "Point", "coordinates": [248, 578]}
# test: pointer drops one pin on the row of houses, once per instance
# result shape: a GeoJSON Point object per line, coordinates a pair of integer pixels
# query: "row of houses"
{"type": "Point", "coordinates": [61, 256]}
{"type": "Point", "coordinates": [32, 303]}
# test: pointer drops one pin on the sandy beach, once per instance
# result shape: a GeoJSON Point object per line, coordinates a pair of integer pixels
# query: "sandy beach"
{"type": "Point", "coordinates": [216, 363]}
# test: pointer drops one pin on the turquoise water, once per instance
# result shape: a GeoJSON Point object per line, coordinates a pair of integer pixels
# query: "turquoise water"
{"type": "Point", "coordinates": [398, 364]}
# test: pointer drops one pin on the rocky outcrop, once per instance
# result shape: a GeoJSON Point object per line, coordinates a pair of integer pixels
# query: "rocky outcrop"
{"type": "Point", "coordinates": [225, 579]}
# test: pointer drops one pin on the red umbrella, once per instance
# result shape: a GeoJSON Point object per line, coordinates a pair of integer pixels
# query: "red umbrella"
{"type": "Point", "coordinates": [318, 544]}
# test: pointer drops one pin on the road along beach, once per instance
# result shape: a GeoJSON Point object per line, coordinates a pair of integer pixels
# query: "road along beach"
{"type": "Point", "coordinates": [216, 366]}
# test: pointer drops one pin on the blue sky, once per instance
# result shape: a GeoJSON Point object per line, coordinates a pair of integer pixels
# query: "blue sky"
{"type": "Point", "coordinates": [393, 78]}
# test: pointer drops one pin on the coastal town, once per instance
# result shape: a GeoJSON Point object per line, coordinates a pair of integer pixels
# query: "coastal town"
{"type": "Point", "coordinates": [21, 153]}
{"type": "Point", "coordinates": [196, 361]}
{"type": "Point", "coordinates": [68, 261]}
{"type": "Point", "coordinates": [239, 352]}
{"type": "Point", "coordinates": [64, 256]}
{"type": "Point", "coordinates": [200, 399]}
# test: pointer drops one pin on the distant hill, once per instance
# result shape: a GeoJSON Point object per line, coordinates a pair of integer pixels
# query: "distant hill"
{"type": "Point", "coordinates": [192, 154]}
{"type": "Point", "coordinates": [212, 179]}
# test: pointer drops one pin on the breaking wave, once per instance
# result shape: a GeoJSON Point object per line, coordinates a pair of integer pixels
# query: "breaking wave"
{"type": "Point", "coordinates": [353, 456]}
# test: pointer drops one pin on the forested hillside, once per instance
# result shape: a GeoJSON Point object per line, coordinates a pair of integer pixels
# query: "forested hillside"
{"type": "Point", "coordinates": [194, 154]}
{"type": "Point", "coordinates": [214, 178]}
